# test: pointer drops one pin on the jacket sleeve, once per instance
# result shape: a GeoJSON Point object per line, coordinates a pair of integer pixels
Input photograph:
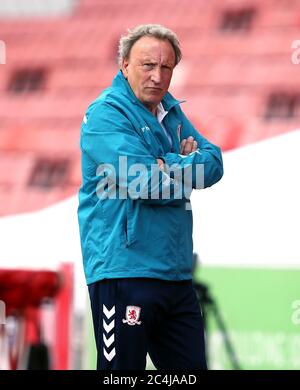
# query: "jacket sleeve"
{"type": "Point", "coordinates": [107, 137]}
{"type": "Point", "coordinates": [207, 156]}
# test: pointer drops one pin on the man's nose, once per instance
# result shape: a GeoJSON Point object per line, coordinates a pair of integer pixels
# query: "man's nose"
{"type": "Point", "coordinates": [156, 75]}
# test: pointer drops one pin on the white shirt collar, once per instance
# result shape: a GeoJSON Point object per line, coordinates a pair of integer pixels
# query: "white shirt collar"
{"type": "Point", "coordinates": [161, 112]}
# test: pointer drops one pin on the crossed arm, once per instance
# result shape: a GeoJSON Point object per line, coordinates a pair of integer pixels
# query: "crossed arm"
{"type": "Point", "coordinates": [108, 135]}
{"type": "Point", "coordinates": [187, 146]}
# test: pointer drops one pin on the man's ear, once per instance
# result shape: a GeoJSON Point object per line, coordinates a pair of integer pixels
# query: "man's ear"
{"type": "Point", "coordinates": [125, 64]}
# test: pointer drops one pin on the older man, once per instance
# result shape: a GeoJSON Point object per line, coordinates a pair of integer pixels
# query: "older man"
{"type": "Point", "coordinates": [140, 160]}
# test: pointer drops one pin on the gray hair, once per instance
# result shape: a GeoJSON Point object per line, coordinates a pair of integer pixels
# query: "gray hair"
{"type": "Point", "coordinates": [150, 30]}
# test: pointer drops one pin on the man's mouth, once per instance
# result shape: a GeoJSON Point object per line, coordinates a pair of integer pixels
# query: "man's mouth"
{"type": "Point", "coordinates": [154, 89]}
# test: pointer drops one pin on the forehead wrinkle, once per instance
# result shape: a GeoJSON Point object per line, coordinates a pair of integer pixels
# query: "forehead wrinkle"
{"type": "Point", "coordinates": [157, 61]}
{"type": "Point", "coordinates": [154, 52]}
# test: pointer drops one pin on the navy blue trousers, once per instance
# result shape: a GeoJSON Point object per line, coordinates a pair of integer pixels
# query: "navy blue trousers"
{"type": "Point", "coordinates": [133, 316]}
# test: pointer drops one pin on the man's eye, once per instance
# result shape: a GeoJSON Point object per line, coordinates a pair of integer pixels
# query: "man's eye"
{"type": "Point", "coordinates": [148, 66]}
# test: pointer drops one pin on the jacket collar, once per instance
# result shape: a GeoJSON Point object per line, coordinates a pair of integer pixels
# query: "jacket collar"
{"type": "Point", "coordinates": [121, 83]}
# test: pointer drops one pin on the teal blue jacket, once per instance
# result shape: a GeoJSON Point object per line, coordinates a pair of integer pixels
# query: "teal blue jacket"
{"type": "Point", "coordinates": [141, 235]}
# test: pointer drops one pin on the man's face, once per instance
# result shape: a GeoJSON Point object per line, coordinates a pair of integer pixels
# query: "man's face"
{"type": "Point", "coordinates": [149, 70]}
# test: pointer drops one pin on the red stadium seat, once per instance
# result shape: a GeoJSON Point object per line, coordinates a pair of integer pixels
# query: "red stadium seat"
{"type": "Point", "coordinates": [226, 78]}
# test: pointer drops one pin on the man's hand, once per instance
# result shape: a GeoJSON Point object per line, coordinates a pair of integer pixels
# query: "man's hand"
{"type": "Point", "coordinates": [188, 146]}
{"type": "Point", "coordinates": [160, 163]}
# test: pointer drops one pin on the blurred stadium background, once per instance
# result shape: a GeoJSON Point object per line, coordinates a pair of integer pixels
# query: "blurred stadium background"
{"type": "Point", "coordinates": [240, 76]}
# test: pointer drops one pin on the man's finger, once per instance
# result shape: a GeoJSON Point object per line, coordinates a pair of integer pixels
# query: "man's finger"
{"type": "Point", "coordinates": [160, 163]}
{"type": "Point", "coordinates": [183, 142]}
{"type": "Point", "coordinates": [189, 145]}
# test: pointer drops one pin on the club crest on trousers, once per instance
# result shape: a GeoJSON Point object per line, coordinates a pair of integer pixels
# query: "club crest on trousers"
{"type": "Point", "coordinates": [132, 315]}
